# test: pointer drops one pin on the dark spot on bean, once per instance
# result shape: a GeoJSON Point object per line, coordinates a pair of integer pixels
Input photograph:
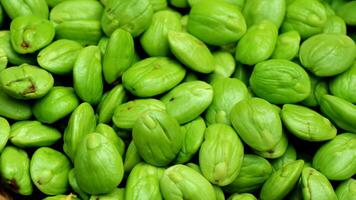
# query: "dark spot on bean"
{"type": "Point", "coordinates": [116, 82]}
{"type": "Point", "coordinates": [30, 89]}
{"type": "Point", "coordinates": [25, 45]}
{"type": "Point", "coordinates": [13, 184]}
{"type": "Point", "coordinates": [270, 151]}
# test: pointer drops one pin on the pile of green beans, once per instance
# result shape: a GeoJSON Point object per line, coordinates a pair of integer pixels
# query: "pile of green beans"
{"type": "Point", "coordinates": [177, 99]}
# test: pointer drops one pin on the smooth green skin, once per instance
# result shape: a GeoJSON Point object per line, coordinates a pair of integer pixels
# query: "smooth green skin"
{"type": "Point", "coordinates": [97, 153]}
{"type": "Point", "coordinates": [277, 151]}
{"type": "Point", "coordinates": [335, 4]}
{"type": "Point", "coordinates": [339, 111]}
{"type": "Point", "coordinates": [194, 167]}
{"type": "Point", "coordinates": [49, 171]}
{"type": "Point", "coordinates": [87, 10]}
{"type": "Point", "coordinates": [5, 132]}
{"type": "Point", "coordinates": [287, 46]}
{"type": "Point", "coordinates": [81, 122]}
{"type": "Point", "coordinates": [53, 3]}
{"type": "Point", "coordinates": [74, 30]}
{"type": "Point", "coordinates": [327, 54]}
{"type": "Point", "coordinates": [126, 114]}
{"type": "Point", "coordinates": [87, 78]}
{"type": "Point", "coordinates": [103, 43]}
{"type": "Point", "coordinates": [193, 137]}
{"type": "Point", "coordinates": [225, 65]}
{"type": "Point", "coordinates": [111, 135]}
{"type": "Point", "coordinates": [133, 16]}
{"type": "Point", "coordinates": [346, 190]}
{"type": "Point", "coordinates": [277, 108]}
{"type": "Point", "coordinates": [136, 58]}
{"type": "Point", "coordinates": [143, 183]}
{"type": "Point", "coordinates": [108, 103]}
{"type": "Point", "coordinates": [179, 3]}
{"type": "Point", "coordinates": [280, 81]}
{"type": "Point", "coordinates": [253, 173]}
{"type": "Point", "coordinates": [78, 20]}
{"type": "Point", "coordinates": [257, 123]}
{"type": "Point", "coordinates": [157, 137]}
{"type": "Point", "coordinates": [308, 17]}
{"type": "Point", "coordinates": [289, 156]}
{"type": "Point", "coordinates": [319, 88]}
{"type": "Point", "coordinates": [336, 159]}
{"type": "Point", "coordinates": [191, 51]}
{"type": "Point", "coordinates": [344, 84]}
{"type": "Point", "coordinates": [182, 182]}
{"type": "Point", "coordinates": [12, 56]}
{"type": "Point", "coordinates": [155, 39]}
{"type": "Point", "coordinates": [58, 103]}
{"type": "Point", "coordinates": [104, 2]}
{"type": "Point", "coordinates": [282, 181]}
{"type": "Point", "coordinates": [118, 55]}
{"type": "Point", "coordinates": [1, 16]}
{"type": "Point", "coordinates": [242, 73]}
{"type": "Point", "coordinates": [335, 24]}
{"type": "Point", "coordinates": [153, 76]}
{"type": "Point", "coordinates": [227, 92]}
{"type": "Point", "coordinates": [116, 194]}
{"type": "Point", "coordinates": [220, 144]}
{"type": "Point", "coordinates": [216, 22]}
{"type": "Point", "coordinates": [307, 124]}
{"type": "Point", "coordinates": [16, 8]}
{"type": "Point", "coordinates": [184, 22]}
{"type": "Point", "coordinates": [72, 180]}
{"type": "Point", "coordinates": [244, 196]}
{"type": "Point", "coordinates": [158, 5]}
{"type": "Point", "coordinates": [188, 100]}
{"type": "Point", "coordinates": [30, 33]}
{"type": "Point", "coordinates": [257, 44]}
{"type": "Point", "coordinates": [15, 170]}
{"type": "Point", "coordinates": [62, 197]}
{"type": "Point", "coordinates": [26, 134]}
{"type": "Point", "coordinates": [190, 76]}
{"type": "Point", "coordinates": [316, 186]}
{"type": "Point", "coordinates": [59, 56]}
{"type": "Point", "coordinates": [132, 157]}
{"type": "Point", "coordinates": [238, 3]}
{"type": "Point", "coordinates": [255, 11]}
{"type": "Point", "coordinates": [219, 193]}
{"type": "Point", "coordinates": [3, 59]}
{"type": "Point", "coordinates": [347, 12]}
{"type": "Point", "coordinates": [26, 82]}
{"type": "Point", "coordinates": [328, 8]}
{"type": "Point", "coordinates": [13, 108]}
